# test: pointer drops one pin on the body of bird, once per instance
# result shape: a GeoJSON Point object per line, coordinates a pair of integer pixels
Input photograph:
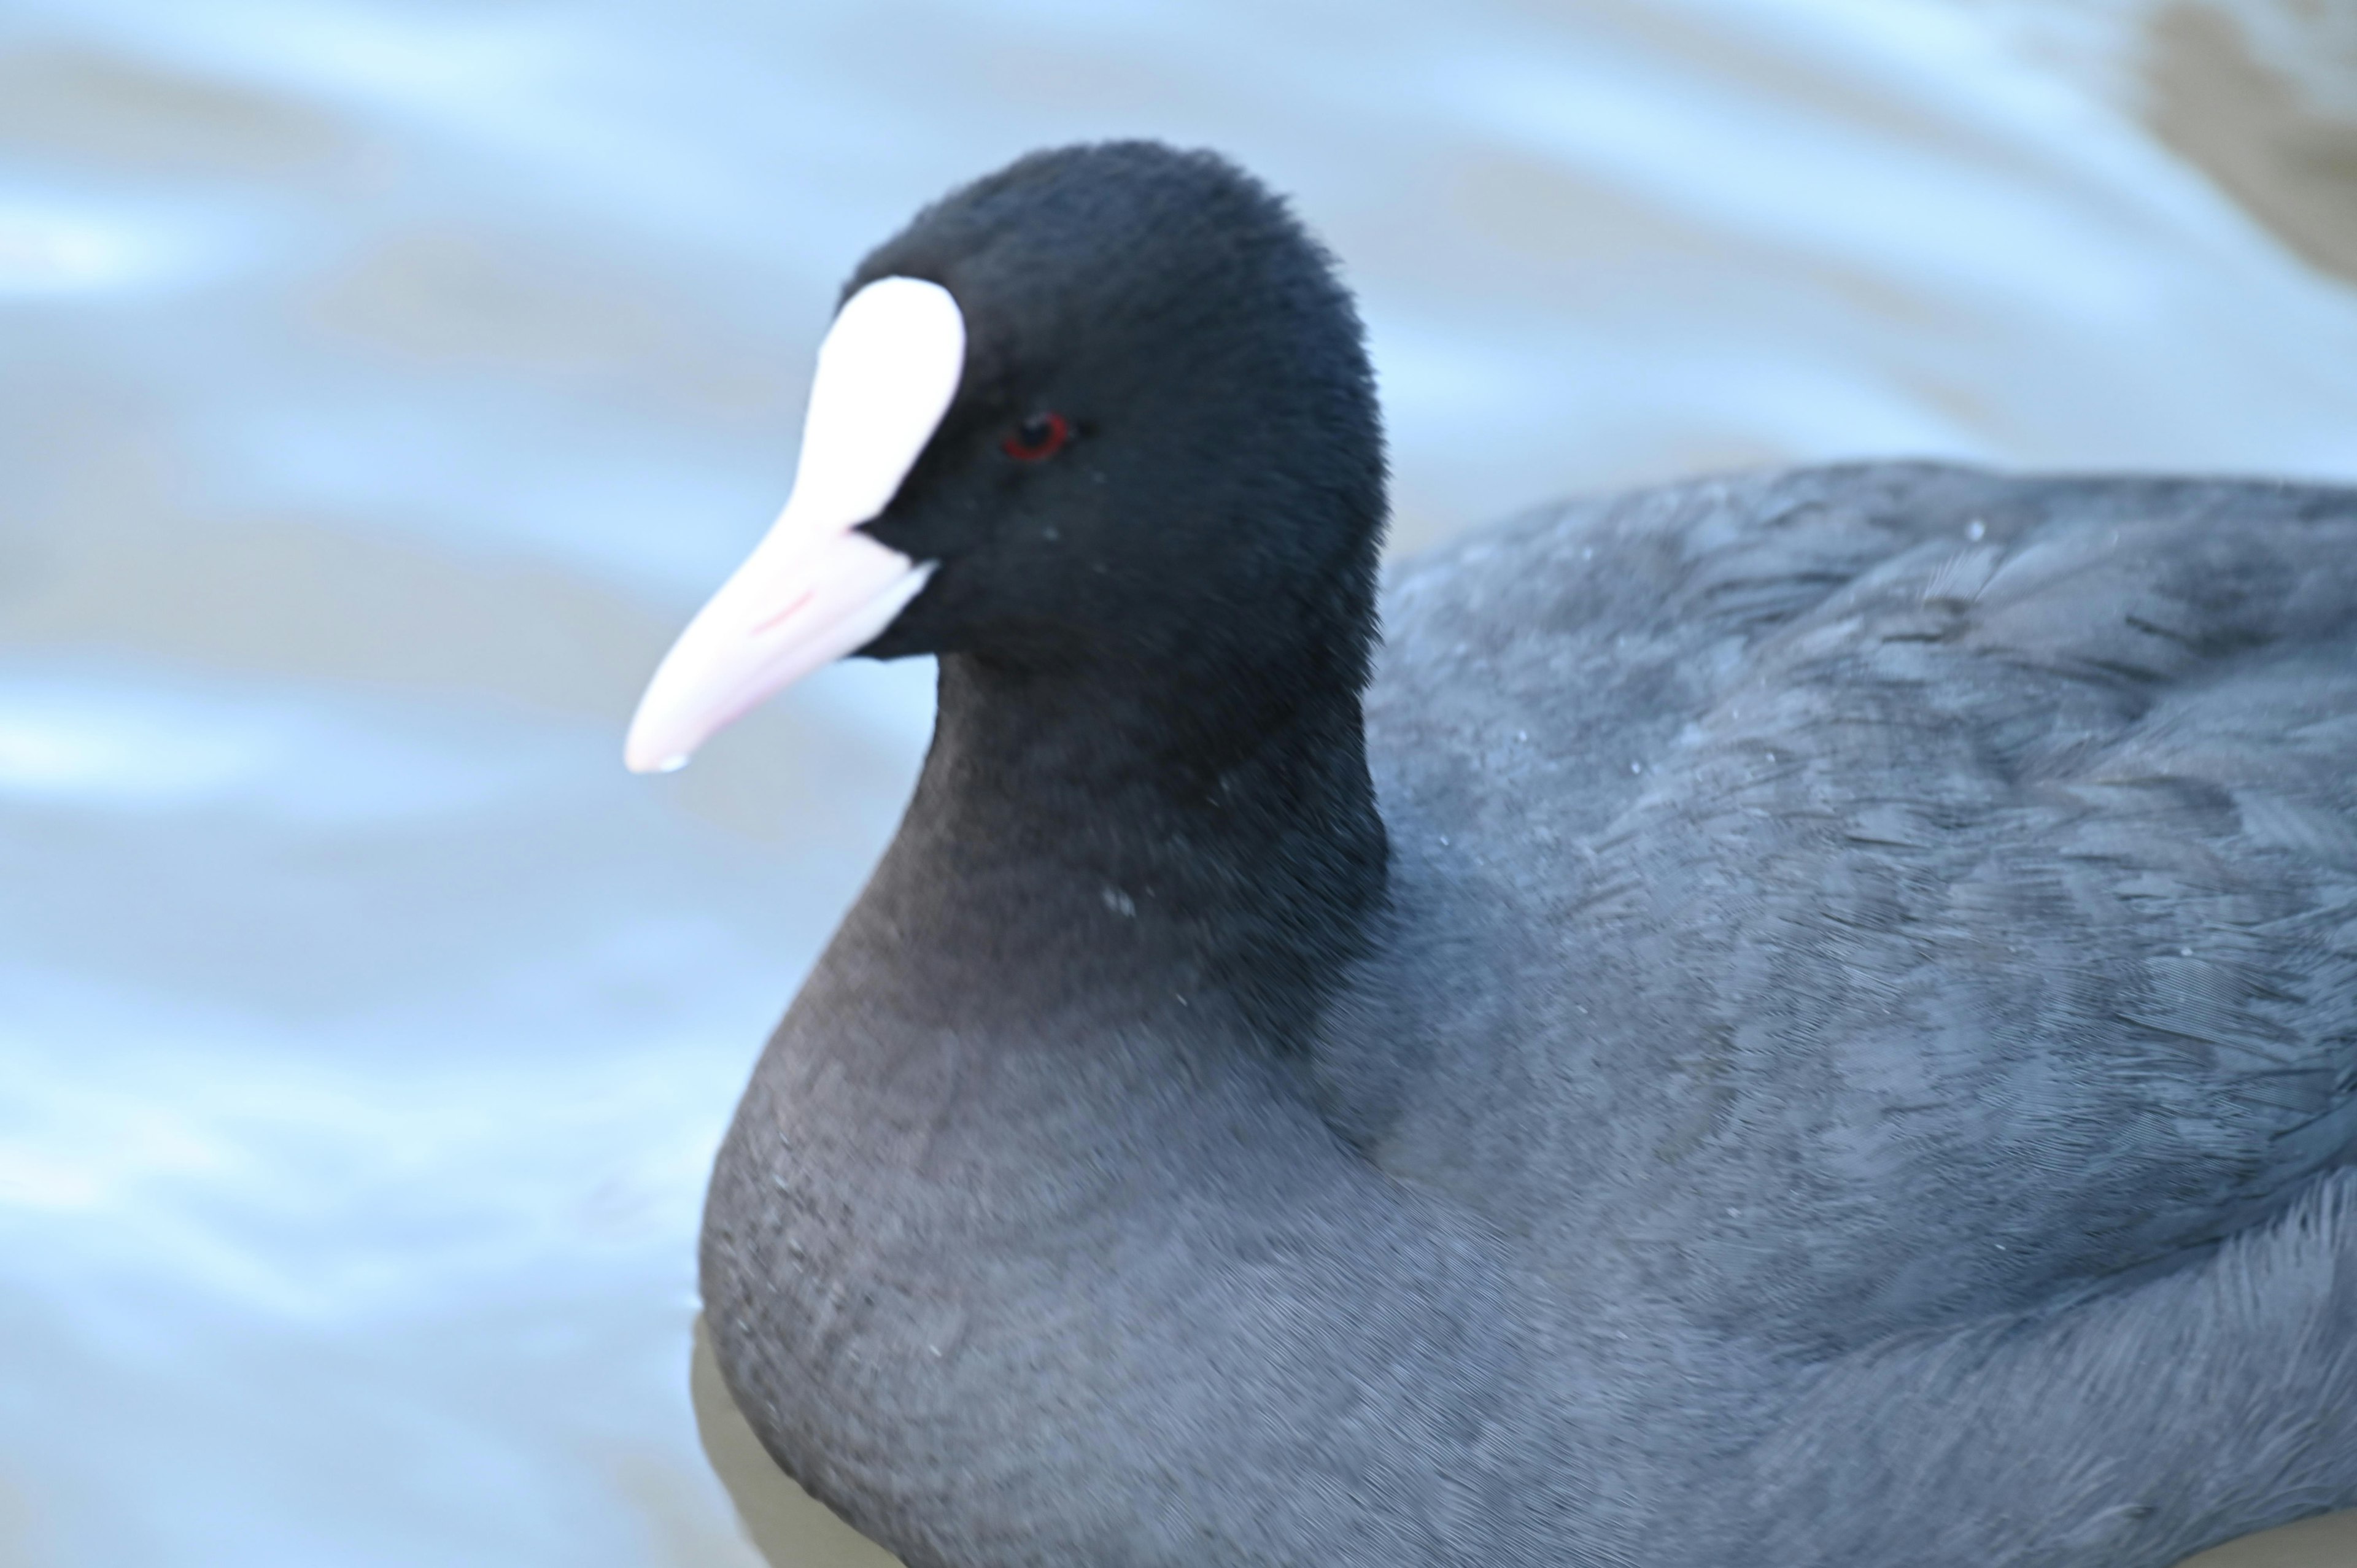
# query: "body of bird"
{"type": "Point", "coordinates": [1799, 1019]}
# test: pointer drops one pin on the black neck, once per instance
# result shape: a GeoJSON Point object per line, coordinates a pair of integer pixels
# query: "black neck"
{"type": "Point", "coordinates": [1123, 842]}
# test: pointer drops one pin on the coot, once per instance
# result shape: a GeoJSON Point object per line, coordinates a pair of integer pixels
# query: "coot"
{"type": "Point", "coordinates": [1807, 1018]}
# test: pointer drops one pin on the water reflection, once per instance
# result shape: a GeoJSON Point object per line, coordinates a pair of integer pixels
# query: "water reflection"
{"type": "Point", "coordinates": [2284, 148]}
{"type": "Point", "coordinates": [786, 1527]}
{"type": "Point", "coordinates": [381, 383]}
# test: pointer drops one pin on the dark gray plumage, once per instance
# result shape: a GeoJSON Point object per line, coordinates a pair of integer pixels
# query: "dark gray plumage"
{"type": "Point", "coordinates": [1841, 1048]}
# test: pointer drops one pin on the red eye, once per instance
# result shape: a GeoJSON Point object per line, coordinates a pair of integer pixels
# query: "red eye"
{"type": "Point", "coordinates": [1038, 438]}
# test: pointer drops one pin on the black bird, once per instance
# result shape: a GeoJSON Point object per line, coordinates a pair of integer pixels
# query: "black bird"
{"type": "Point", "coordinates": [1800, 1019]}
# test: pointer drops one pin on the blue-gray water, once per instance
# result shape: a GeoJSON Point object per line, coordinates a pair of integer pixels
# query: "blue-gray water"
{"type": "Point", "coordinates": [382, 384]}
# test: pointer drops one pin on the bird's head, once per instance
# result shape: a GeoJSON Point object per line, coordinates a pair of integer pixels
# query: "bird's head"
{"type": "Point", "coordinates": [1107, 406]}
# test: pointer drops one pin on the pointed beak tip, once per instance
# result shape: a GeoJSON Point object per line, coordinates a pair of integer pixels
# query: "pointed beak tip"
{"type": "Point", "coordinates": [643, 759]}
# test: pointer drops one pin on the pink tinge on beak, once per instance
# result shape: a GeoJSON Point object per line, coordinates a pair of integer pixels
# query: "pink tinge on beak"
{"type": "Point", "coordinates": [779, 618]}
{"type": "Point", "coordinates": [815, 588]}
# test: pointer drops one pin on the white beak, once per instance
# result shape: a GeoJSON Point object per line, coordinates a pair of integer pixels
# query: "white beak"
{"type": "Point", "coordinates": [814, 589]}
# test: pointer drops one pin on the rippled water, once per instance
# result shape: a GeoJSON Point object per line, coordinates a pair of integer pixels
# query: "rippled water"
{"type": "Point", "coordinates": [381, 384]}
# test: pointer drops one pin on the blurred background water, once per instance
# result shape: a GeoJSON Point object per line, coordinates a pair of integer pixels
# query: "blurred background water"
{"type": "Point", "coordinates": [381, 382]}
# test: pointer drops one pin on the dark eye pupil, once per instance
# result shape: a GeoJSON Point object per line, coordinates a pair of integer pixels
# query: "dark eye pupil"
{"type": "Point", "coordinates": [1039, 436]}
